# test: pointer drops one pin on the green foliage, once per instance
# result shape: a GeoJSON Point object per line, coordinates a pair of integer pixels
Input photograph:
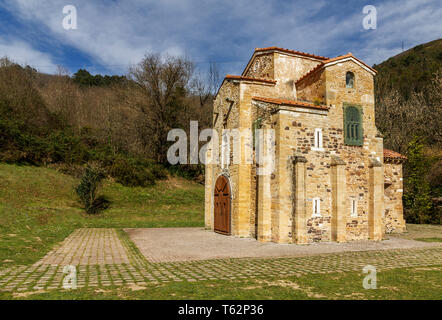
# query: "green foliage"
{"type": "Point", "coordinates": [411, 70]}
{"type": "Point", "coordinates": [130, 174]}
{"type": "Point", "coordinates": [188, 171]}
{"type": "Point", "coordinates": [133, 172]}
{"type": "Point", "coordinates": [87, 190]}
{"type": "Point", "coordinates": [85, 79]}
{"type": "Point", "coordinates": [36, 207]}
{"type": "Point", "coordinates": [417, 200]}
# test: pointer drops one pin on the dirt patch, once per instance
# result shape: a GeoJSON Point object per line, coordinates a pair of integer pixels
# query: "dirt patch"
{"type": "Point", "coordinates": [27, 293]}
{"type": "Point", "coordinates": [294, 286]}
{"type": "Point", "coordinates": [135, 287]}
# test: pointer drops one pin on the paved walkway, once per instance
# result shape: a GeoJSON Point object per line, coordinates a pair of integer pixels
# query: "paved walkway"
{"type": "Point", "coordinates": [185, 244]}
{"type": "Point", "coordinates": [135, 270]}
{"type": "Point", "coordinates": [88, 247]}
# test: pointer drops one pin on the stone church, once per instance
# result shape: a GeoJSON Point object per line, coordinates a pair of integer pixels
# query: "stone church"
{"type": "Point", "coordinates": [332, 178]}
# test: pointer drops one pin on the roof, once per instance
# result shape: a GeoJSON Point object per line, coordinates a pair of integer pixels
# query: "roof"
{"type": "Point", "coordinates": [242, 78]}
{"type": "Point", "coordinates": [290, 51]}
{"type": "Point", "coordinates": [230, 76]}
{"type": "Point", "coordinates": [326, 62]}
{"type": "Point", "coordinates": [389, 154]}
{"type": "Point", "coordinates": [288, 102]}
{"type": "Point", "coordinates": [348, 55]}
{"type": "Point", "coordinates": [270, 49]}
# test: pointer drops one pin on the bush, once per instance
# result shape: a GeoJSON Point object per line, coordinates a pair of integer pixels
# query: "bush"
{"type": "Point", "coordinates": [417, 199]}
{"type": "Point", "coordinates": [130, 174]}
{"type": "Point", "coordinates": [193, 172]}
{"type": "Point", "coordinates": [87, 190]}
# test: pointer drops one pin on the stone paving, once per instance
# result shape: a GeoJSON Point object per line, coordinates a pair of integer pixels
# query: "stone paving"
{"type": "Point", "coordinates": [135, 270]}
{"type": "Point", "coordinates": [87, 247]}
{"type": "Point", "coordinates": [185, 244]}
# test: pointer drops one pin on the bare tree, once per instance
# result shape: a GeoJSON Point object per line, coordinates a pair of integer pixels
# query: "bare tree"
{"type": "Point", "coordinates": [164, 82]}
{"type": "Point", "coordinates": [400, 120]}
{"type": "Point", "coordinates": [206, 85]}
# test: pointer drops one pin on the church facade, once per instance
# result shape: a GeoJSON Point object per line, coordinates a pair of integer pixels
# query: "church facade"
{"type": "Point", "coordinates": [332, 180]}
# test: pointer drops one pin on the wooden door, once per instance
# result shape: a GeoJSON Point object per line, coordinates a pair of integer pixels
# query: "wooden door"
{"type": "Point", "coordinates": [222, 206]}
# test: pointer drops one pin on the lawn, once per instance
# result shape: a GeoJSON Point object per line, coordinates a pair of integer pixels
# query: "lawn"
{"type": "Point", "coordinates": [405, 283]}
{"type": "Point", "coordinates": [38, 208]}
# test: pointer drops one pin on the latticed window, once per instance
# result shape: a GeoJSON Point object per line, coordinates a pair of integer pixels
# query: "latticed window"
{"type": "Point", "coordinates": [350, 80]}
{"type": "Point", "coordinates": [352, 126]}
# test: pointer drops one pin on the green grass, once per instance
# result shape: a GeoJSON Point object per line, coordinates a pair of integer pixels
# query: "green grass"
{"type": "Point", "coordinates": [405, 283]}
{"type": "Point", "coordinates": [429, 239]}
{"type": "Point", "coordinates": [38, 208]}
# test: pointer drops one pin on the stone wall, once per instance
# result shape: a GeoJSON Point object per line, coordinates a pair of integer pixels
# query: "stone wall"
{"type": "Point", "coordinates": [265, 206]}
{"type": "Point", "coordinates": [261, 67]}
{"type": "Point", "coordinates": [312, 88]}
{"type": "Point", "coordinates": [241, 175]}
{"type": "Point", "coordinates": [230, 90]}
{"type": "Point", "coordinates": [357, 158]}
{"type": "Point", "coordinates": [394, 218]}
{"type": "Point", "coordinates": [288, 69]}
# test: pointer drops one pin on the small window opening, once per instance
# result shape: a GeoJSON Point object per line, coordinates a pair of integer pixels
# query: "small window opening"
{"type": "Point", "coordinates": [350, 80]}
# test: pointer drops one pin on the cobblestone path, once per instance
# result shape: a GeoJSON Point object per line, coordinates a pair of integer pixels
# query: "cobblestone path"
{"type": "Point", "coordinates": [87, 247]}
{"type": "Point", "coordinates": [108, 258]}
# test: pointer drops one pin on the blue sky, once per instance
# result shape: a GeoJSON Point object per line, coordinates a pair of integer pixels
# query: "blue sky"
{"type": "Point", "coordinates": [113, 34]}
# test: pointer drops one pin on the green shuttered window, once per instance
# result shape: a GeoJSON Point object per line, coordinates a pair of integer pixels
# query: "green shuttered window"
{"type": "Point", "coordinates": [353, 126]}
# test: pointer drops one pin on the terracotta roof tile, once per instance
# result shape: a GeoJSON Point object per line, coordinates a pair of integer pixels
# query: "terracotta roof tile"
{"type": "Point", "coordinates": [348, 55]}
{"type": "Point", "coordinates": [323, 63]}
{"type": "Point", "coordinates": [291, 51]}
{"type": "Point", "coordinates": [234, 77]}
{"type": "Point", "coordinates": [291, 103]}
{"type": "Point", "coordinates": [393, 155]}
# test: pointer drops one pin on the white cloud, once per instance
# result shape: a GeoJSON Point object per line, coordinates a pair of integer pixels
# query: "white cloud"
{"type": "Point", "coordinates": [22, 53]}
{"type": "Point", "coordinates": [119, 33]}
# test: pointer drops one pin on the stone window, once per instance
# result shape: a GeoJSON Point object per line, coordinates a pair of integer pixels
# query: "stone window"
{"type": "Point", "coordinates": [225, 151]}
{"type": "Point", "coordinates": [318, 146]}
{"type": "Point", "coordinates": [353, 126]}
{"type": "Point", "coordinates": [354, 208]}
{"type": "Point", "coordinates": [316, 207]}
{"type": "Point", "coordinates": [350, 80]}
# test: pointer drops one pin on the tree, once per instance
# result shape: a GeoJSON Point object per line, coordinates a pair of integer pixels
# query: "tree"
{"type": "Point", "coordinates": [417, 198]}
{"type": "Point", "coordinates": [165, 84]}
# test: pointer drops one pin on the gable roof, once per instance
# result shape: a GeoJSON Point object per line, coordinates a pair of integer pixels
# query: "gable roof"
{"type": "Point", "coordinates": [310, 55]}
{"type": "Point", "coordinates": [249, 79]}
{"type": "Point", "coordinates": [283, 50]}
{"type": "Point", "coordinates": [348, 56]}
{"type": "Point", "coordinates": [288, 102]}
{"type": "Point", "coordinates": [332, 61]}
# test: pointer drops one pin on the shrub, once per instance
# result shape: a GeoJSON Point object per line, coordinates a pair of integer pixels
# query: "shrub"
{"type": "Point", "coordinates": [87, 190]}
{"type": "Point", "coordinates": [417, 200]}
{"type": "Point", "coordinates": [130, 174]}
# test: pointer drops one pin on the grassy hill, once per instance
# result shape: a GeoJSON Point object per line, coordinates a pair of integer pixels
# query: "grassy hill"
{"type": "Point", "coordinates": [411, 70]}
{"type": "Point", "coordinates": [38, 209]}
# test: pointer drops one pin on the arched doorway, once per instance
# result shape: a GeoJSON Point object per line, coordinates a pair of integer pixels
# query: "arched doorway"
{"type": "Point", "coordinates": [222, 206]}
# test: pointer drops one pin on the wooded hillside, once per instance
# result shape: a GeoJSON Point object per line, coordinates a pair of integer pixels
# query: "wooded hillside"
{"type": "Point", "coordinates": [408, 90]}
